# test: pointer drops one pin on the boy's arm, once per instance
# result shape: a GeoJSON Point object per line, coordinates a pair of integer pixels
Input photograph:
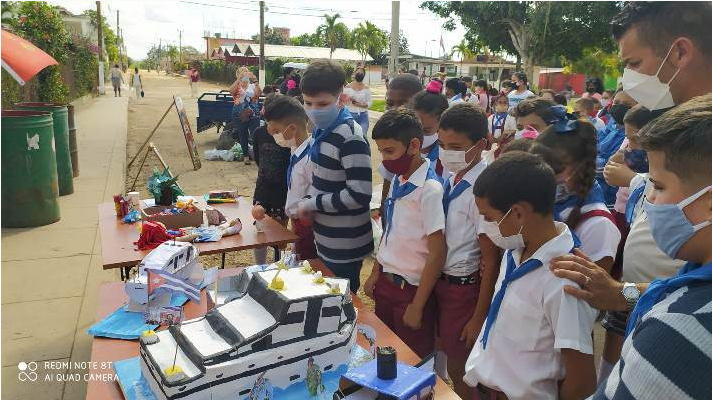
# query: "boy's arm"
{"type": "Point", "coordinates": [437, 250]}
{"type": "Point", "coordinates": [356, 160]}
{"type": "Point", "coordinates": [489, 263]}
{"type": "Point", "coordinates": [580, 380]}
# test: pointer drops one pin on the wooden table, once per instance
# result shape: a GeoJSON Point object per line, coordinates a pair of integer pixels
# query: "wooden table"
{"type": "Point", "coordinates": [105, 351]}
{"type": "Point", "coordinates": [117, 239]}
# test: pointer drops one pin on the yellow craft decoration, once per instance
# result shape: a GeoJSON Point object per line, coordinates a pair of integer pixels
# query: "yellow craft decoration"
{"type": "Point", "coordinates": [172, 370]}
{"type": "Point", "coordinates": [277, 283]}
{"type": "Point", "coordinates": [150, 332]}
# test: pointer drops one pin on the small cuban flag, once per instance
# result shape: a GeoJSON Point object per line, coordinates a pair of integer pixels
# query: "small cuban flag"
{"type": "Point", "coordinates": [158, 278]}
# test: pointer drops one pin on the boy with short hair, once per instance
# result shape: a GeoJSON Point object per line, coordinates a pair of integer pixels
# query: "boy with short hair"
{"type": "Point", "coordinates": [412, 250]}
{"type": "Point", "coordinates": [536, 342]}
{"type": "Point", "coordinates": [464, 290]}
{"type": "Point", "coordinates": [340, 192]}
{"type": "Point", "coordinates": [584, 107]}
{"type": "Point", "coordinates": [401, 90]}
{"type": "Point", "coordinates": [666, 350]}
{"type": "Point", "coordinates": [287, 123]}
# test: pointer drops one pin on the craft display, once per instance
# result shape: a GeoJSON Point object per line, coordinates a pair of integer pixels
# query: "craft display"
{"type": "Point", "coordinates": [283, 326]}
{"type": "Point", "coordinates": [164, 187]}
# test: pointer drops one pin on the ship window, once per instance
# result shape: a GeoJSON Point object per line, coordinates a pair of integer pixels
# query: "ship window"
{"type": "Point", "coordinates": [293, 378]}
{"type": "Point", "coordinates": [218, 376]}
{"type": "Point", "coordinates": [262, 344]}
{"type": "Point", "coordinates": [182, 388]}
{"type": "Point", "coordinates": [294, 317]}
{"type": "Point", "coordinates": [251, 366]}
{"type": "Point", "coordinates": [175, 263]}
{"type": "Point", "coordinates": [307, 349]}
{"type": "Point", "coordinates": [328, 367]}
{"type": "Point", "coordinates": [280, 357]}
{"type": "Point", "coordinates": [244, 392]}
{"type": "Point", "coordinates": [330, 311]}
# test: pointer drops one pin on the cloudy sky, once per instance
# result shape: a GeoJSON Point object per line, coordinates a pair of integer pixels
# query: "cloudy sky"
{"type": "Point", "coordinates": [145, 22]}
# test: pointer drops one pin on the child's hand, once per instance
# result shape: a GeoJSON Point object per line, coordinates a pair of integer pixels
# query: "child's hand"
{"type": "Point", "coordinates": [618, 174]}
{"type": "Point", "coordinates": [370, 285]}
{"type": "Point", "coordinates": [412, 317]}
{"type": "Point", "coordinates": [258, 212]}
{"type": "Point", "coordinates": [617, 157]}
{"type": "Point", "coordinates": [471, 331]}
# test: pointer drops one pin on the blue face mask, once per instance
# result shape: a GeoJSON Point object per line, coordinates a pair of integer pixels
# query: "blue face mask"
{"type": "Point", "coordinates": [323, 117]}
{"type": "Point", "coordinates": [637, 160]}
{"type": "Point", "coordinates": [670, 227]}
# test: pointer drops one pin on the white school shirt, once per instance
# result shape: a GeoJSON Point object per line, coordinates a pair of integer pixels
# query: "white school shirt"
{"type": "Point", "coordinates": [536, 320]}
{"type": "Point", "coordinates": [510, 124]}
{"type": "Point", "coordinates": [461, 227]}
{"type": "Point", "coordinates": [415, 216]}
{"type": "Point", "coordinates": [599, 235]}
{"type": "Point", "coordinates": [516, 98]}
{"type": "Point", "coordinates": [643, 261]}
{"type": "Point", "coordinates": [301, 180]}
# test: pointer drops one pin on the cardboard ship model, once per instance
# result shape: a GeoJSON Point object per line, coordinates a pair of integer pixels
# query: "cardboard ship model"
{"type": "Point", "coordinates": [281, 323]}
{"type": "Point", "coordinates": [180, 259]}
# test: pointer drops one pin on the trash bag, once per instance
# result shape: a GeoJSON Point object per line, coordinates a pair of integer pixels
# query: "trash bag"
{"type": "Point", "coordinates": [226, 140]}
{"type": "Point", "coordinates": [237, 151]}
{"type": "Point", "coordinates": [219, 155]}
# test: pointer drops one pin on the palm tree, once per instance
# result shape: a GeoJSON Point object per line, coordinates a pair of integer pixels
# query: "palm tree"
{"type": "Point", "coordinates": [463, 51]}
{"type": "Point", "coordinates": [333, 33]}
{"type": "Point", "coordinates": [369, 39]}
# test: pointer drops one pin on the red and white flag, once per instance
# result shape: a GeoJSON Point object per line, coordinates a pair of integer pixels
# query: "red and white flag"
{"type": "Point", "coordinates": [165, 280]}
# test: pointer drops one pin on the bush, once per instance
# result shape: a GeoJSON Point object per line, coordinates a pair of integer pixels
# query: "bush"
{"type": "Point", "coordinates": [86, 65]}
{"type": "Point", "coordinates": [52, 87]}
{"type": "Point", "coordinates": [10, 90]}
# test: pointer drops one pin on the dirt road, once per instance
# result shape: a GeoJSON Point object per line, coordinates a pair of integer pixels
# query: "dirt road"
{"type": "Point", "coordinates": [144, 113]}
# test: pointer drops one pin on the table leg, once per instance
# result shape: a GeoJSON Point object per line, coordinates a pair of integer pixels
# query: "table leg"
{"type": "Point", "coordinates": [223, 261]}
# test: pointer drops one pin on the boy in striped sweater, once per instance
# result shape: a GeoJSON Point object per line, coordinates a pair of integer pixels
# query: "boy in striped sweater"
{"type": "Point", "coordinates": [340, 193]}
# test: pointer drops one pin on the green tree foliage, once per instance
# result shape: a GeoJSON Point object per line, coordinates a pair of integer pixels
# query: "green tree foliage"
{"type": "Point", "coordinates": [594, 62]}
{"type": "Point", "coordinates": [535, 31]}
{"type": "Point", "coordinates": [111, 41]}
{"type": "Point", "coordinates": [369, 39]}
{"type": "Point", "coordinates": [271, 36]}
{"type": "Point", "coordinates": [334, 34]}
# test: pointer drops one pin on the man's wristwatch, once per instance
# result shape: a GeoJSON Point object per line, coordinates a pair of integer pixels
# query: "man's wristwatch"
{"type": "Point", "coordinates": [631, 294]}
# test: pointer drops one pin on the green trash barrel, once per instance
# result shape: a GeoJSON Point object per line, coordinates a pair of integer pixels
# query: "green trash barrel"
{"type": "Point", "coordinates": [73, 149]}
{"type": "Point", "coordinates": [30, 193]}
{"type": "Point", "coordinates": [61, 142]}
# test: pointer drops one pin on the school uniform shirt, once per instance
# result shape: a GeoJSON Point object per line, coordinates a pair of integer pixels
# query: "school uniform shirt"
{"type": "Point", "coordinates": [643, 260]}
{"type": "Point", "coordinates": [415, 216]}
{"type": "Point", "coordinates": [516, 98]}
{"type": "Point", "coordinates": [461, 227]}
{"type": "Point", "coordinates": [599, 235]}
{"type": "Point", "coordinates": [456, 99]}
{"type": "Point", "coordinates": [536, 320]}
{"type": "Point", "coordinates": [300, 180]}
{"type": "Point", "coordinates": [598, 123]}
{"type": "Point", "coordinates": [496, 124]}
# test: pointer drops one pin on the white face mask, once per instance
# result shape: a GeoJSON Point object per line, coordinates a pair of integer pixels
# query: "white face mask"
{"type": "Point", "coordinates": [454, 160]}
{"type": "Point", "coordinates": [281, 141]}
{"type": "Point", "coordinates": [647, 90]}
{"type": "Point", "coordinates": [604, 103]}
{"type": "Point", "coordinates": [491, 229]}
{"type": "Point", "coordinates": [429, 140]}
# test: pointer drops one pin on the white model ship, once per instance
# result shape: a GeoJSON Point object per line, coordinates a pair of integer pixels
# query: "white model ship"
{"type": "Point", "coordinates": [265, 335]}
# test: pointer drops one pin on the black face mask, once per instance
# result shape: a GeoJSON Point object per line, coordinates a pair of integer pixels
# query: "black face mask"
{"type": "Point", "coordinates": [359, 77]}
{"type": "Point", "coordinates": [590, 89]}
{"type": "Point", "coordinates": [618, 112]}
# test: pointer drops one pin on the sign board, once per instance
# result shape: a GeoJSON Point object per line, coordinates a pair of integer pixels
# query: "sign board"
{"type": "Point", "coordinates": [187, 132]}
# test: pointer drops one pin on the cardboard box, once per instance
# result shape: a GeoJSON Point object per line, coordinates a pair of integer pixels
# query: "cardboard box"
{"type": "Point", "coordinates": [173, 221]}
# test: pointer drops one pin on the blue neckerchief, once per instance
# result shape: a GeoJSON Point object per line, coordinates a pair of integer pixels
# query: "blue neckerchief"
{"type": "Point", "coordinates": [318, 135]}
{"type": "Point", "coordinates": [659, 288]}
{"type": "Point", "coordinates": [498, 119]}
{"type": "Point", "coordinates": [633, 199]}
{"type": "Point", "coordinates": [399, 192]}
{"type": "Point", "coordinates": [457, 190]}
{"type": "Point", "coordinates": [594, 196]}
{"type": "Point", "coordinates": [293, 160]}
{"type": "Point", "coordinates": [434, 154]}
{"type": "Point", "coordinates": [456, 97]}
{"type": "Point", "coordinates": [510, 276]}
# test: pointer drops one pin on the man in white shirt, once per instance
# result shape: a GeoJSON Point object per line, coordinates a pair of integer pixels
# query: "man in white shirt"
{"type": "Point", "coordinates": [536, 342]}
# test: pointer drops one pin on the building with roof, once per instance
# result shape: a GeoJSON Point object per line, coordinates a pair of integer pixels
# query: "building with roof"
{"type": "Point", "coordinates": [307, 53]}
{"type": "Point", "coordinates": [212, 43]}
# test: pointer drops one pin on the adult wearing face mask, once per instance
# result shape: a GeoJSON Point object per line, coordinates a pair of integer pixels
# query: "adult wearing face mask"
{"type": "Point", "coordinates": [594, 88]}
{"type": "Point", "coordinates": [359, 99]}
{"type": "Point", "coordinates": [665, 47]}
{"type": "Point", "coordinates": [244, 111]}
{"type": "Point", "coordinates": [516, 96]}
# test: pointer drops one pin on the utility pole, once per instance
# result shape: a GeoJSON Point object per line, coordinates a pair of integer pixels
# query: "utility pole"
{"type": "Point", "coordinates": [395, 16]}
{"type": "Point", "coordinates": [118, 35]}
{"type": "Point", "coordinates": [180, 45]}
{"type": "Point", "coordinates": [100, 39]}
{"type": "Point", "coordinates": [158, 69]}
{"type": "Point", "coordinates": [262, 44]}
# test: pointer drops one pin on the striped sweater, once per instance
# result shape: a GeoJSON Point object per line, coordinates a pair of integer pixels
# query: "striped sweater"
{"type": "Point", "coordinates": [340, 196]}
{"type": "Point", "coordinates": [669, 354]}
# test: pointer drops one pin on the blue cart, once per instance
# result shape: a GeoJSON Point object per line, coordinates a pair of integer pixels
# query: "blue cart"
{"type": "Point", "coordinates": [214, 109]}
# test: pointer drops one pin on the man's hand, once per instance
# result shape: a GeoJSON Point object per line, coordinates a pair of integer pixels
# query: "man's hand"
{"type": "Point", "coordinates": [258, 212]}
{"type": "Point", "coordinates": [598, 289]}
{"type": "Point", "coordinates": [471, 331]}
{"type": "Point", "coordinates": [412, 317]}
{"type": "Point", "coordinates": [618, 174]}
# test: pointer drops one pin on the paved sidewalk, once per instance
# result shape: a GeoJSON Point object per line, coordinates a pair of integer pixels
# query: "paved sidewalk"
{"type": "Point", "coordinates": [50, 274]}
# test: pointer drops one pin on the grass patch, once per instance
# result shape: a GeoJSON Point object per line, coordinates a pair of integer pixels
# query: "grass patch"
{"type": "Point", "coordinates": [378, 105]}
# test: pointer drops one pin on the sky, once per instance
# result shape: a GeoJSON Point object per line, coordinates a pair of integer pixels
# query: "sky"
{"type": "Point", "coordinates": [144, 23]}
